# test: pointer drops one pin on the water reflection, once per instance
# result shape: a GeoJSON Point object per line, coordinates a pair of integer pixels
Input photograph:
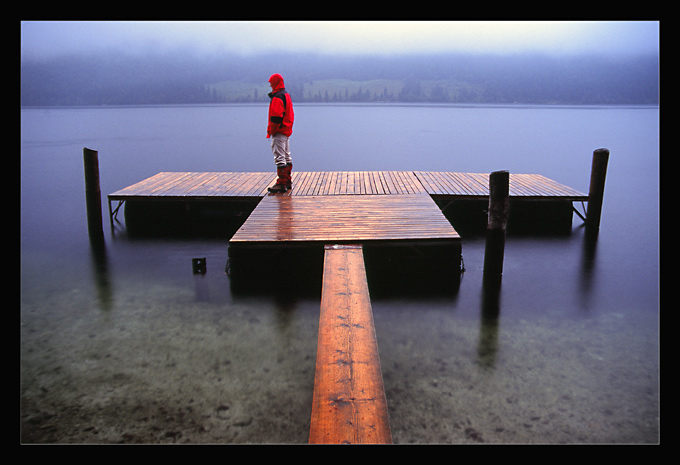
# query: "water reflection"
{"type": "Point", "coordinates": [100, 272]}
{"type": "Point", "coordinates": [587, 272]}
{"type": "Point", "coordinates": [489, 327]}
{"type": "Point", "coordinates": [201, 288]}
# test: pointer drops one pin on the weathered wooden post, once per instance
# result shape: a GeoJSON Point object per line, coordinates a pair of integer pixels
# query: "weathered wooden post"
{"type": "Point", "coordinates": [598, 173]}
{"type": "Point", "coordinates": [499, 206]}
{"type": "Point", "coordinates": [93, 198]}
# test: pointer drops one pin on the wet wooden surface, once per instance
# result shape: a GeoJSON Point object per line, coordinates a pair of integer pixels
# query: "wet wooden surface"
{"type": "Point", "coordinates": [477, 185]}
{"type": "Point", "coordinates": [213, 185]}
{"type": "Point", "coordinates": [349, 404]}
{"type": "Point", "coordinates": [198, 185]}
{"type": "Point", "coordinates": [345, 218]}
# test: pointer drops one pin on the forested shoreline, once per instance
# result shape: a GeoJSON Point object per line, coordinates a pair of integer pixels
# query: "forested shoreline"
{"type": "Point", "coordinates": [119, 79]}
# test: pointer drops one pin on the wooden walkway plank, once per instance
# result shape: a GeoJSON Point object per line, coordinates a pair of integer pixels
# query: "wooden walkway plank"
{"type": "Point", "coordinates": [257, 185]}
{"type": "Point", "coordinates": [200, 185]}
{"type": "Point", "coordinates": [536, 185]}
{"type": "Point", "coordinates": [236, 184]}
{"type": "Point", "coordinates": [332, 183]}
{"type": "Point", "coordinates": [351, 182]}
{"type": "Point", "coordinates": [434, 183]}
{"type": "Point", "coordinates": [450, 183]}
{"type": "Point", "coordinates": [349, 404]}
{"type": "Point", "coordinates": [383, 182]}
{"type": "Point", "coordinates": [229, 183]}
{"type": "Point", "coordinates": [388, 182]}
{"type": "Point", "coordinates": [169, 181]}
{"type": "Point", "coordinates": [144, 185]}
{"type": "Point", "coordinates": [177, 189]}
{"type": "Point", "coordinates": [552, 187]}
{"type": "Point", "coordinates": [215, 187]}
{"type": "Point", "coordinates": [464, 182]}
{"type": "Point", "coordinates": [397, 183]}
{"type": "Point", "coordinates": [304, 183]}
{"type": "Point", "coordinates": [480, 181]}
{"type": "Point", "coordinates": [458, 182]}
{"type": "Point", "coordinates": [521, 186]}
{"type": "Point", "coordinates": [250, 184]}
{"type": "Point", "coordinates": [173, 180]}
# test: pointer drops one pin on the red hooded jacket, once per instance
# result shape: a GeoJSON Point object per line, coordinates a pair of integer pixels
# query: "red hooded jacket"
{"type": "Point", "coordinates": [281, 114]}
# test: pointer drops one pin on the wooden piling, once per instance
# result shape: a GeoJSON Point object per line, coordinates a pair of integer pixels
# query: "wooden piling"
{"type": "Point", "coordinates": [499, 206]}
{"type": "Point", "coordinates": [598, 173]}
{"type": "Point", "coordinates": [93, 199]}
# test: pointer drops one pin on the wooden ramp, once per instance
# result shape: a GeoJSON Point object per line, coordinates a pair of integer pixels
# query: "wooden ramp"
{"type": "Point", "coordinates": [349, 404]}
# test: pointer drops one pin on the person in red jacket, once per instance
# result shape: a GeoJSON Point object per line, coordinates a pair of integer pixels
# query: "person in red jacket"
{"type": "Point", "coordinates": [279, 129]}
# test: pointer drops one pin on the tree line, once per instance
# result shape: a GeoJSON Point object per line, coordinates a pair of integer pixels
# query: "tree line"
{"type": "Point", "coordinates": [130, 80]}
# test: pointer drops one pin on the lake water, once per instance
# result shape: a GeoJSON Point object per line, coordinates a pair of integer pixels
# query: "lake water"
{"type": "Point", "coordinates": [130, 346]}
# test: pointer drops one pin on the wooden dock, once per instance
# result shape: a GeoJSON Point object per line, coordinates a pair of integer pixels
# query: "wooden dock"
{"type": "Point", "coordinates": [221, 185]}
{"type": "Point", "coordinates": [194, 188]}
{"type": "Point", "coordinates": [343, 213]}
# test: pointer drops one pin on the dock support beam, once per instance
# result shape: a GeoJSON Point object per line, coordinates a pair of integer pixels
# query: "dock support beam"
{"type": "Point", "coordinates": [499, 206]}
{"type": "Point", "coordinates": [598, 174]}
{"type": "Point", "coordinates": [349, 404]}
{"type": "Point", "coordinates": [93, 198]}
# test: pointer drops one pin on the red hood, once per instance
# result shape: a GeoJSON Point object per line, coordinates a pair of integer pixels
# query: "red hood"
{"type": "Point", "coordinates": [277, 82]}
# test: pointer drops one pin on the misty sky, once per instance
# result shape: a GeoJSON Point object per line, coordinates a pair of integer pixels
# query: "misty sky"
{"type": "Point", "coordinates": [49, 38]}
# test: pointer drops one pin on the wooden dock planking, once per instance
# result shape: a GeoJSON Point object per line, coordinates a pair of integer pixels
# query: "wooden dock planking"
{"type": "Point", "coordinates": [167, 185]}
{"type": "Point", "coordinates": [536, 185]}
{"type": "Point", "coordinates": [151, 186]}
{"type": "Point", "coordinates": [245, 185]}
{"type": "Point", "coordinates": [355, 183]}
{"type": "Point", "coordinates": [222, 186]}
{"type": "Point", "coordinates": [349, 404]}
{"type": "Point", "coordinates": [477, 185]}
{"type": "Point", "coordinates": [325, 218]}
{"type": "Point", "coordinates": [310, 183]}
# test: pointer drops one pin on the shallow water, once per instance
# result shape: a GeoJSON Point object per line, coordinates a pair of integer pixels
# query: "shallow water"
{"type": "Point", "coordinates": [129, 346]}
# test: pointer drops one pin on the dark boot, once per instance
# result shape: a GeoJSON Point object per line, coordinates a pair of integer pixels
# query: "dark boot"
{"type": "Point", "coordinates": [280, 185]}
{"type": "Point", "coordinates": [289, 180]}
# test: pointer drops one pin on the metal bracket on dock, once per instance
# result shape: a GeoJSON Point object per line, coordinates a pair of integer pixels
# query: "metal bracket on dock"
{"type": "Point", "coordinates": [113, 214]}
{"type": "Point", "coordinates": [582, 216]}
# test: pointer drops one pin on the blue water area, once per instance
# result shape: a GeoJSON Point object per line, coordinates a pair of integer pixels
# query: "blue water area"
{"type": "Point", "coordinates": [125, 344]}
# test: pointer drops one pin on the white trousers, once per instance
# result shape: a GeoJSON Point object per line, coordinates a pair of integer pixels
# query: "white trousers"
{"type": "Point", "coordinates": [281, 150]}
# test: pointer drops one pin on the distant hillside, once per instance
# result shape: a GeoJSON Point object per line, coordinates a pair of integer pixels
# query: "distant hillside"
{"type": "Point", "coordinates": [345, 90]}
{"type": "Point", "coordinates": [176, 79]}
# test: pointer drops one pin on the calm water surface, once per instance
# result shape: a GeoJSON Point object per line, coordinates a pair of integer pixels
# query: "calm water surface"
{"type": "Point", "coordinates": [128, 346]}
